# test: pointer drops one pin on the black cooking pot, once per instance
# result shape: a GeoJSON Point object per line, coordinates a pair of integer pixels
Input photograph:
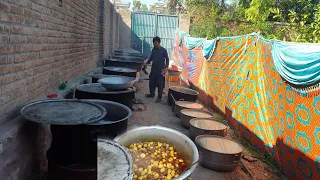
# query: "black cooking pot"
{"type": "Point", "coordinates": [116, 53]}
{"type": "Point", "coordinates": [181, 93]}
{"type": "Point", "coordinates": [97, 91]}
{"type": "Point", "coordinates": [128, 58]}
{"type": "Point", "coordinates": [114, 122]}
{"type": "Point", "coordinates": [73, 152]}
{"type": "Point", "coordinates": [137, 65]}
{"type": "Point", "coordinates": [121, 71]}
{"type": "Point", "coordinates": [58, 169]}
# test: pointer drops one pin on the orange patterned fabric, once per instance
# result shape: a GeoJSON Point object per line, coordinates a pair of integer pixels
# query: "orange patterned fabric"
{"type": "Point", "coordinates": [241, 81]}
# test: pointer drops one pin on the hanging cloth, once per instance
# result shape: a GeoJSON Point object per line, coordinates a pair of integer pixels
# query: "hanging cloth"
{"type": "Point", "coordinates": [192, 43]}
{"type": "Point", "coordinates": [297, 63]}
{"type": "Point", "coordinates": [208, 48]}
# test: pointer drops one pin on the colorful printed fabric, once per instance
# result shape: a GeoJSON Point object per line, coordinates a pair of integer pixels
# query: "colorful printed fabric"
{"type": "Point", "coordinates": [241, 80]}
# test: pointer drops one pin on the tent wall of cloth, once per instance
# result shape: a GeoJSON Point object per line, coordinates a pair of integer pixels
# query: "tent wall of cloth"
{"type": "Point", "coordinates": [240, 79]}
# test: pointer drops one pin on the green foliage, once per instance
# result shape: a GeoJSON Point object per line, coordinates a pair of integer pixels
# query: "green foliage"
{"type": "Point", "coordinates": [299, 20]}
{"type": "Point", "coordinates": [144, 8]}
{"type": "Point", "coordinates": [136, 5]}
{"type": "Point", "coordinates": [258, 10]}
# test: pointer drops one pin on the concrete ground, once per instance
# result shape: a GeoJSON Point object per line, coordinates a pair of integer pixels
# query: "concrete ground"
{"type": "Point", "coordinates": [152, 113]}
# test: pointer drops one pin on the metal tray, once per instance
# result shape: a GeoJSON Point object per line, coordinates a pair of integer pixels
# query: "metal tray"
{"type": "Point", "coordinates": [63, 112]}
{"type": "Point", "coordinates": [117, 82]}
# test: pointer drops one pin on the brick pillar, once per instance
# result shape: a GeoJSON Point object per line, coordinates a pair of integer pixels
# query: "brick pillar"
{"type": "Point", "coordinates": [184, 22]}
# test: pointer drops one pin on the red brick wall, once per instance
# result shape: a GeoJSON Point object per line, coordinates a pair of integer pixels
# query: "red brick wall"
{"type": "Point", "coordinates": [43, 44]}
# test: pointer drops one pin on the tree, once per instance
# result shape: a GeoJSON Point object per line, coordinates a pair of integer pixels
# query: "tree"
{"type": "Point", "coordinates": [300, 19]}
{"type": "Point", "coordinates": [136, 5]}
{"type": "Point", "coordinates": [144, 8]}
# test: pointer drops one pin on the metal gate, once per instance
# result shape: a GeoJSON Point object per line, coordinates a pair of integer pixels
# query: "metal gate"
{"type": "Point", "coordinates": [146, 26]}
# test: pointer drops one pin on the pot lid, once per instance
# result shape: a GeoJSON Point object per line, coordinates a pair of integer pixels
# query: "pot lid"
{"type": "Point", "coordinates": [114, 161]}
{"type": "Point", "coordinates": [63, 112]}
{"type": "Point", "coordinates": [219, 144]}
{"type": "Point", "coordinates": [189, 105]}
{"type": "Point", "coordinates": [98, 88]}
{"type": "Point", "coordinates": [120, 69]}
{"type": "Point", "coordinates": [208, 124]}
{"type": "Point", "coordinates": [195, 113]}
{"type": "Point", "coordinates": [184, 90]}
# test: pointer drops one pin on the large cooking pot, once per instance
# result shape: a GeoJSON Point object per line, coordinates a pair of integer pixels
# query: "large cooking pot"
{"type": "Point", "coordinates": [114, 161]}
{"type": "Point", "coordinates": [179, 141]}
{"type": "Point", "coordinates": [188, 114]}
{"type": "Point", "coordinates": [180, 105]}
{"type": "Point", "coordinates": [219, 153]}
{"type": "Point", "coordinates": [113, 123]}
{"type": "Point", "coordinates": [121, 53]}
{"type": "Point", "coordinates": [181, 93]}
{"type": "Point", "coordinates": [121, 71]}
{"type": "Point", "coordinates": [58, 169]}
{"type": "Point", "coordinates": [128, 58]}
{"type": "Point", "coordinates": [97, 91]}
{"type": "Point", "coordinates": [210, 126]}
{"type": "Point", "coordinates": [132, 64]}
{"type": "Point", "coordinates": [73, 152]}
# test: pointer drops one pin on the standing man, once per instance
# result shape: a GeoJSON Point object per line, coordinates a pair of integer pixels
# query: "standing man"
{"type": "Point", "coordinates": [160, 63]}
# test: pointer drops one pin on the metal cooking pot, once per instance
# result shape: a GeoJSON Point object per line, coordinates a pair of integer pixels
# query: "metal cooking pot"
{"type": "Point", "coordinates": [180, 105]}
{"type": "Point", "coordinates": [137, 65]}
{"type": "Point", "coordinates": [114, 161]}
{"type": "Point", "coordinates": [59, 170]}
{"type": "Point", "coordinates": [132, 58]}
{"type": "Point", "coordinates": [188, 114]}
{"type": "Point", "coordinates": [121, 71]}
{"type": "Point", "coordinates": [219, 153]}
{"type": "Point", "coordinates": [209, 126]}
{"type": "Point", "coordinates": [181, 93]}
{"type": "Point", "coordinates": [129, 54]}
{"type": "Point", "coordinates": [117, 82]}
{"type": "Point", "coordinates": [113, 123]}
{"type": "Point", "coordinates": [181, 142]}
{"type": "Point", "coordinates": [97, 91]}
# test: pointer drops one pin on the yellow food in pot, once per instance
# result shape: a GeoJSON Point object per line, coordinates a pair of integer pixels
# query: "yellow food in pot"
{"type": "Point", "coordinates": [156, 160]}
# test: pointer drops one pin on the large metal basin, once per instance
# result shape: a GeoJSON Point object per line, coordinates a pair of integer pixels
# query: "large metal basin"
{"type": "Point", "coordinates": [181, 142]}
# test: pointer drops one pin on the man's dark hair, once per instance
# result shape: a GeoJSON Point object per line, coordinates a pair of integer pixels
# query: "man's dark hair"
{"type": "Point", "coordinates": [156, 39]}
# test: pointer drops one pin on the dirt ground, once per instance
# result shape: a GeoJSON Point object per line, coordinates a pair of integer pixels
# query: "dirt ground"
{"type": "Point", "coordinates": [150, 113]}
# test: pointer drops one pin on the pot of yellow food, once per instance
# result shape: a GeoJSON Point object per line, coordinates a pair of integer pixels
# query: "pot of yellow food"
{"type": "Point", "coordinates": [160, 153]}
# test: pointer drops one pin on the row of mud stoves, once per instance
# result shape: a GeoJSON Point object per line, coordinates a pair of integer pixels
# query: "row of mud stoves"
{"type": "Point", "coordinates": [76, 124]}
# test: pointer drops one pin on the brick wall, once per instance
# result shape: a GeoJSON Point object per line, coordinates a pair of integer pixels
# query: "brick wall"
{"type": "Point", "coordinates": [184, 22]}
{"type": "Point", "coordinates": [125, 28]}
{"type": "Point", "coordinates": [43, 44]}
